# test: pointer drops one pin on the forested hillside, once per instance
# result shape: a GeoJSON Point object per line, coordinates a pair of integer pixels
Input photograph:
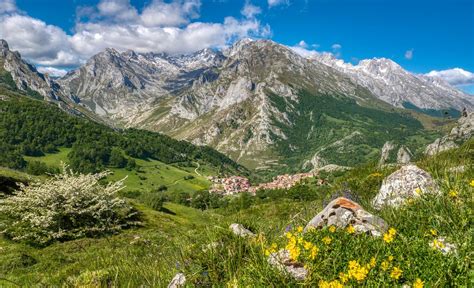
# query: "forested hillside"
{"type": "Point", "coordinates": [33, 128]}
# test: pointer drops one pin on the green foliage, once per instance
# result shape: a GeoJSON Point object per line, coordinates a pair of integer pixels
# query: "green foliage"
{"type": "Point", "coordinates": [40, 168]}
{"type": "Point", "coordinates": [33, 128]}
{"type": "Point", "coordinates": [153, 200]}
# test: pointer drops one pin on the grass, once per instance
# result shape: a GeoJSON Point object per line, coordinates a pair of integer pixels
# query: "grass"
{"type": "Point", "coordinates": [177, 241]}
{"type": "Point", "coordinates": [151, 175]}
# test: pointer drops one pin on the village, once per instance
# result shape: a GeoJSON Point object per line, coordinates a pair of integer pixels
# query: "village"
{"type": "Point", "coordinates": [237, 184]}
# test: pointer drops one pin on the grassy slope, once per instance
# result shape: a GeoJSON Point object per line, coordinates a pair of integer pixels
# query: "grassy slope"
{"type": "Point", "coordinates": [151, 175]}
{"type": "Point", "coordinates": [173, 241]}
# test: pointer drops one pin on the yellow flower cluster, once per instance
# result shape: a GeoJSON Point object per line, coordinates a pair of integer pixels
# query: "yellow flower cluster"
{"type": "Point", "coordinates": [272, 249]}
{"type": "Point", "coordinates": [453, 194]}
{"type": "Point", "coordinates": [472, 183]}
{"type": "Point", "coordinates": [386, 263]}
{"type": "Point", "coordinates": [350, 229]}
{"type": "Point", "coordinates": [357, 271]}
{"type": "Point", "coordinates": [332, 229]}
{"type": "Point", "coordinates": [327, 240]}
{"type": "Point", "coordinates": [433, 232]}
{"type": "Point", "coordinates": [396, 273]}
{"type": "Point", "coordinates": [298, 247]}
{"type": "Point", "coordinates": [332, 284]}
{"type": "Point", "coordinates": [390, 235]}
{"type": "Point", "coordinates": [418, 283]}
{"type": "Point", "coordinates": [438, 244]}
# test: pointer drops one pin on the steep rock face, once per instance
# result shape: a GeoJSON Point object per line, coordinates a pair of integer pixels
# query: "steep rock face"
{"type": "Point", "coordinates": [463, 131]}
{"type": "Point", "coordinates": [25, 76]}
{"type": "Point", "coordinates": [398, 87]}
{"type": "Point", "coordinates": [257, 101]}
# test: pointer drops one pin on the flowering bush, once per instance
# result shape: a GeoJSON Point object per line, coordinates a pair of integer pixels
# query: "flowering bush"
{"type": "Point", "coordinates": [65, 206]}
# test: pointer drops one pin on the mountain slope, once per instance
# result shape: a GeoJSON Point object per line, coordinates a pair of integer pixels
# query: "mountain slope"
{"type": "Point", "coordinates": [391, 83]}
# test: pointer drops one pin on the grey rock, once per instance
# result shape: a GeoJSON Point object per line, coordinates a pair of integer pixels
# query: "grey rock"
{"type": "Point", "coordinates": [342, 212]}
{"type": "Point", "coordinates": [463, 131]}
{"type": "Point", "coordinates": [281, 260]}
{"type": "Point", "coordinates": [240, 230]}
{"type": "Point", "coordinates": [178, 281]}
{"type": "Point", "coordinates": [403, 155]}
{"type": "Point", "coordinates": [385, 154]}
{"type": "Point", "coordinates": [407, 182]}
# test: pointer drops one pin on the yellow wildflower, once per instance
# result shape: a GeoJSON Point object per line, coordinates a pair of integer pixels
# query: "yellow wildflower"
{"type": "Point", "coordinates": [433, 232]}
{"type": "Point", "coordinates": [357, 271]}
{"type": "Point", "coordinates": [332, 229]}
{"type": "Point", "coordinates": [384, 265]}
{"type": "Point", "coordinates": [307, 245]}
{"type": "Point", "coordinates": [453, 194]}
{"type": "Point", "coordinates": [417, 191]}
{"type": "Point", "coordinates": [295, 253]}
{"type": "Point", "coordinates": [418, 283]}
{"type": "Point", "coordinates": [327, 240]}
{"type": "Point", "coordinates": [332, 284]}
{"type": "Point", "coordinates": [272, 249]}
{"type": "Point", "coordinates": [344, 277]}
{"type": "Point", "coordinates": [438, 244]}
{"type": "Point", "coordinates": [289, 235]}
{"type": "Point", "coordinates": [372, 262]}
{"type": "Point", "coordinates": [350, 229]}
{"type": "Point", "coordinates": [396, 273]}
{"type": "Point", "coordinates": [300, 240]}
{"type": "Point", "coordinates": [313, 253]}
{"type": "Point", "coordinates": [472, 183]}
{"type": "Point", "coordinates": [299, 229]}
{"type": "Point", "coordinates": [390, 258]}
{"type": "Point", "coordinates": [388, 237]}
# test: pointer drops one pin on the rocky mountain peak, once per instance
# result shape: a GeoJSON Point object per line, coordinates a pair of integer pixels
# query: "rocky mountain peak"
{"type": "Point", "coordinates": [4, 47]}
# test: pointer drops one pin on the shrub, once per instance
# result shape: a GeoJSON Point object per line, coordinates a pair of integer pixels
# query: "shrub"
{"type": "Point", "coordinates": [66, 206]}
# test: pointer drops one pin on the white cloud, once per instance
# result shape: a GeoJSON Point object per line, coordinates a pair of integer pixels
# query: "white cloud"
{"type": "Point", "coordinates": [7, 6]}
{"type": "Point", "coordinates": [409, 54]}
{"type": "Point", "coordinates": [250, 10]}
{"type": "Point", "coordinates": [302, 44]}
{"type": "Point", "coordinates": [54, 72]}
{"type": "Point", "coordinates": [273, 3]}
{"type": "Point", "coordinates": [455, 76]}
{"type": "Point", "coordinates": [336, 46]}
{"type": "Point", "coordinates": [162, 26]}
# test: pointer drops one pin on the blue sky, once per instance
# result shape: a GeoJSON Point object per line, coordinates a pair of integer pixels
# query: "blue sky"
{"type": "Point", "coordinates": [420, 35]}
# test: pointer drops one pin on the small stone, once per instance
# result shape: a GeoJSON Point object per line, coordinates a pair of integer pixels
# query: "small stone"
{"type": "Point", "coordinates": [178, 281]}
{"type": "Point", "coordinates": [443, 246]}
{"type": "Point", "coordinates": [403, 155]}
{"type": "Point", "coordinates": [240, 230]}
{"type": "Point", "coordinates": [282, 261]}
{"type": "Point", "coordinates": [343, 212]}
{"type": "Point", "coordinates": [405, 183]}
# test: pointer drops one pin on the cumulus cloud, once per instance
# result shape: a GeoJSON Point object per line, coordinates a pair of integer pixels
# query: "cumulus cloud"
{"type": "Point", "coordinates": [273, 3]}
{"type": "Point", "coordinates": [250, 10]}
{"type": "Point", "coordinates": [51, 71]}
{"type": "Point", "coordinates": [7, 6]}
{"type": "Point", "coordinates": [455, 76]}
{"type": "Point", "coordinates": [409, 54]}
{"type": "Point", "coordinates": [336, 50]}
{"type": "Point", "coordinates": [161, 26]}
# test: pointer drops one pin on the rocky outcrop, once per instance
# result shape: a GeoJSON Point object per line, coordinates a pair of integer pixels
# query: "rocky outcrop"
{"type": "Point", "coordinates": [407, 182]}
{"type": "Point", "coordinates": [403, 155]}
{"type": "Point", "coordinates": [25, 75]}
{"type": "Point", "coordinates": [463, 131]}
{"type": "Point", "coordinates": [343, 212]}
{"type": "Point", "coordinates": [240, 230]}
{"type": "Point", "coordinates": [385, 154]}
{"type": "Point", "coordinates": [281, 260]}
{"type": "Point", "coordinates": [178, 281]}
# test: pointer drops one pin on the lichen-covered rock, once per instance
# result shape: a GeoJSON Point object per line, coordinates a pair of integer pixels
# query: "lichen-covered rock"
{"type": "Point", "coordinates": [440, 145]}
{"type": "Point", "coordinates": [343, 212]}
{"type": "Point", "coordinates": [240, 230]}
{"type": "Point", "coordinates": [282, 261]}
{"type": "Point", "coordinates": [407, 182]}
{"type": "Point", "coordinates": [178, 281]}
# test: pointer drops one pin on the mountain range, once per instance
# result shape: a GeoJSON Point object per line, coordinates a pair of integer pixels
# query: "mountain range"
{"type": "Point", "coordinates": [256, 101]}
